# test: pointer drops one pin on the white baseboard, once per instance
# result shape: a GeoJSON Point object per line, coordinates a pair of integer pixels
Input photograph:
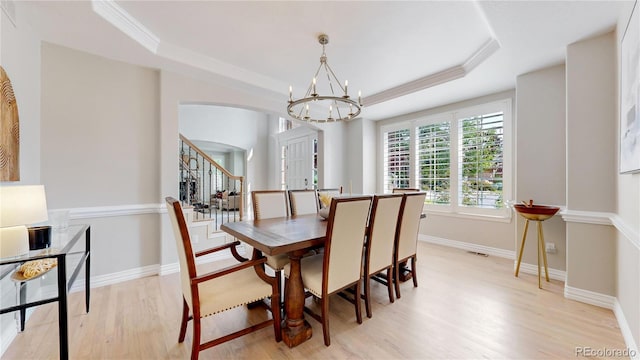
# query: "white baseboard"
{"type": "Point", "coordinates": [626, 332]}
{"type": "Point", "coordinates": [554, 274]}
{"type": "Point", "coordinates": [507, 254]}
{"type": "Point", "coordinates": [118, 277]}
{"type": "Point", "coordinates": [590, 297]}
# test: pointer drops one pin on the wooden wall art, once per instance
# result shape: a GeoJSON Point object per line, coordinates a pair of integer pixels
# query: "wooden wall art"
{"type": "Point", "coordinates": [9, 131]}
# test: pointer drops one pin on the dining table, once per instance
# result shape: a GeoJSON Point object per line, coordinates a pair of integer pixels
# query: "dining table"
{"type": "Point", "coordinates": [292, 235]}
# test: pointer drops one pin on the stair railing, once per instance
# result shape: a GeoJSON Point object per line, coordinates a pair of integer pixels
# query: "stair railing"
{"type": "Point", "coordinates": [214, 193]}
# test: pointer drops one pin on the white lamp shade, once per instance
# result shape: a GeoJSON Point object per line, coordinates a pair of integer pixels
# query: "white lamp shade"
{"type": "Point", "coordinates": [22, 205]}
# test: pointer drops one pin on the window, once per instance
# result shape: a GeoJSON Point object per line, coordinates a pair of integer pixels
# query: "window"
{"type": "Point", "coordinates": [396, 159]}
{"type": "Point", "coordinates": [434, 161]}
{"type": "Point", "coordinates": [283, 167]}
{"type": "Point", "coordinates": [461, 159]}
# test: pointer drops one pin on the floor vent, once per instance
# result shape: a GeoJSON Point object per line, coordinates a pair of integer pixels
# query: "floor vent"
{"type": "Point", "coordinates": [478, 253]}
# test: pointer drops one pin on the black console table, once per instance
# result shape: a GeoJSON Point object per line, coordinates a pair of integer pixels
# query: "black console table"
{"type": "Point", "coordinates": [71, 254]}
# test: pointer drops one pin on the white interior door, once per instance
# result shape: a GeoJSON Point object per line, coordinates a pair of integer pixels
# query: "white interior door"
{"type": "Point", "coordinates": [299, 163]}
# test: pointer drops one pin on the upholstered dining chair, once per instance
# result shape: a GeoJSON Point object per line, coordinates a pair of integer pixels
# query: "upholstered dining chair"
{"type": "Point", "coordinates": [268, 204]}
{"type": "Point", "coordinates": [214, 292]}
{"type": "Point", "coordinates": [407, 237]}
{"type": "Point", "coordinates": [303, 202]}
{"type": "Point", "coordinates": [340, 266]}
{"type": "Point", "coordinates": [381, 235]}
{"type": "Point", "coordinates": [404, 190]}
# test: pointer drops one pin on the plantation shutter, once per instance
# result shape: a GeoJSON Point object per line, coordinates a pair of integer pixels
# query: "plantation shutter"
{"type": "Point", "coordinates": [434, 161]}
{"type": "Point", "coordinates": [481, 167]}
{"type": "Point", "coordinates": [397, 159]}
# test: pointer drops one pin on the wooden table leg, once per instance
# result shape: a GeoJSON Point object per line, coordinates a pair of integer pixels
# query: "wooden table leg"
{"type": "Point", "coordinates": [295, 329]}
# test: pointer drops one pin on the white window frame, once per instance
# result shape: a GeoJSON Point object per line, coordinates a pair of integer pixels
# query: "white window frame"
{"type": "Point", "coordinates": [454, 117]}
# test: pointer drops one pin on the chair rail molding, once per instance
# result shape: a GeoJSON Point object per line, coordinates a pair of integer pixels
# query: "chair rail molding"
{"type": "Point", "coordinates": [603, 218]}
{"type": "Point", "coordinates": [115, 210]}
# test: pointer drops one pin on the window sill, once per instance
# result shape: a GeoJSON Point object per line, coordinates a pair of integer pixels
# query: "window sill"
{"type": "Point", "coordinates": [460, 215]}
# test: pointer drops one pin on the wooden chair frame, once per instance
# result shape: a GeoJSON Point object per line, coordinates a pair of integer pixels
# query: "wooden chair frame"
{"type": "Point", "coordinates": [398, 263]}
{"type": "Point", "coordinates": [258, 266]}
{"type": "Point", "coordinates": [323, 317]}
{"type": "Point", "coordinates": [376, 274]}
{"type": "Point", "coordinates": [256, 216]}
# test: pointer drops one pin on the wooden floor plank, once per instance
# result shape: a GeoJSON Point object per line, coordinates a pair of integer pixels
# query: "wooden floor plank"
{"type": "Point", "coordinates": [466, 307]}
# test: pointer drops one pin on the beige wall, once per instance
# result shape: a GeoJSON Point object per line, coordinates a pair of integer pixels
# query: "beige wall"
{"type": "Point", "coordinates": [591, 146]}
{"type": "Point", "coordinates": [100, 120]}
{"type": "Point", "coordinates": [591, 258]}
{"type": "Point", "coordinates": [628, 241]}
{"type": "Point", "coordinates": [540, 161]}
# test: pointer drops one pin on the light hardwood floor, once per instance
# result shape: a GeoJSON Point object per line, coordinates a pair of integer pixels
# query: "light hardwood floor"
{"type": "Point", "coordinates": [466, 307]}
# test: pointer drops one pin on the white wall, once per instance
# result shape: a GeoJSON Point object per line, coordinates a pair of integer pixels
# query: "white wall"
{"type": "Point", "coordinates": [20, 58]}
{"type": "Point", "coordinates": [354, 154]}
{"type": "Point", "coordinates": [333, 160]}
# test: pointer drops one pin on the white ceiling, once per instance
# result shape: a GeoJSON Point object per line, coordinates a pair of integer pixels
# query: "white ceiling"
{"type": "Point", "coordinates": [404, 56]}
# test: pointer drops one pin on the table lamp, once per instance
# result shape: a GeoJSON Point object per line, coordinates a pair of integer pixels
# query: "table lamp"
{"type": "Point", "coordinates": [19, 207]}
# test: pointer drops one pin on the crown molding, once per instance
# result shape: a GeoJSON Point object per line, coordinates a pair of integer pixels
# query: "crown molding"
{"type": "Point", "coordinates": [455, 72]}
{"type": "Point", "coordinates": [126, 23]}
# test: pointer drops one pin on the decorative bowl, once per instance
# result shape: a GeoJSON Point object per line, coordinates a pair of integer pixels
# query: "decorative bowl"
{"type": "Point", "coordinates": [536, 212]}
{"type": "Point", "coordinates": [324, 212]}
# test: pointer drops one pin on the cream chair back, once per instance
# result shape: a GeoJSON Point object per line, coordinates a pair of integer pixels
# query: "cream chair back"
{"type": "Point", "coordinates": [183, 245]}
{"type": "Point", "coordinates": [303, 202]}
{"type": "Point", "coordinates": [346, 228]}
{"type": "Point", "coordinates": [269, 204]}
{"type": "Point", "coordinates": [383, 223]}
{"type": "Point", "coordinates": [410, 224]}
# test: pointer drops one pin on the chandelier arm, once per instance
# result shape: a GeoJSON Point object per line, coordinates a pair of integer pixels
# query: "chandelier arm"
{"type": "Point", "coordinates": [338, 110]}
{"type": "Point", "coordinates": [327, 71]}
{"type": "Point", "coordinates": [330, 71]}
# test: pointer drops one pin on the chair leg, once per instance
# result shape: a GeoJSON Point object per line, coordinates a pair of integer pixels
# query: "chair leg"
{"type": "Point", "coordinates": [390, 285]}
{"type": "Point", "coordinates": [195, 346]}
{"type": "Point", "coordinates": [325, 320]}
{"type": "Point", "coordinates": [396, 278]}
{"type": "Point", "coordinates": [367, 295]}
{"type": "Point", "coordinates": [357, 302]}
{"type": "Point", "coordinates": [280, 303]}
{"type": "Point", "coordinates": [185, 319]}
{"type": "Point", "coordinates": [275, 313]}
{"type": "Point", "coordinates": [414, 273]}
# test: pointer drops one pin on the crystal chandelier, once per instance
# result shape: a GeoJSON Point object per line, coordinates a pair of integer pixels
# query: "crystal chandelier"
{"type": "Point", "coordinates": [332, 107]}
